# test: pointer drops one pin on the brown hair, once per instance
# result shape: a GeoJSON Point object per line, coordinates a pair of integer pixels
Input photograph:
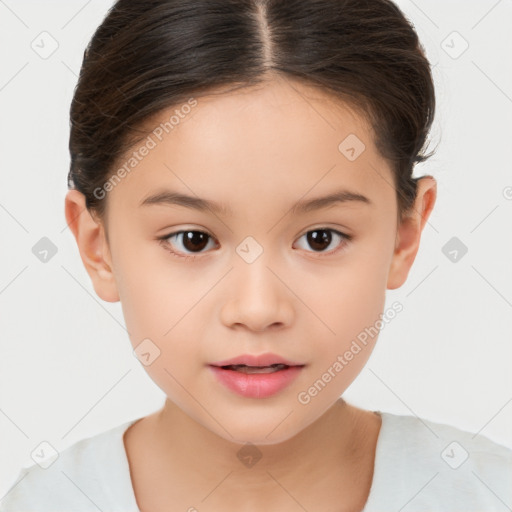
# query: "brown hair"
{"type": "Point", "coordinates": [149, 55]}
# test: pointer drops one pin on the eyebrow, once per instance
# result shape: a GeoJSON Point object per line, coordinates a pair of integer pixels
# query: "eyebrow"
{"type": "Point", "coordinates": [169, 197]}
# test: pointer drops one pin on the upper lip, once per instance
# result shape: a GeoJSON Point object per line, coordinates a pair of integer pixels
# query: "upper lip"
{"type": "Point", "coordinates": [257, 360]}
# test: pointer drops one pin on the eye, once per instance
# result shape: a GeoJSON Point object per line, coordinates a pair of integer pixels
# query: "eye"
{"type": "Point", "coordinates": [192, 240]}
{"type": "Point", "coordinates": [321, 238]}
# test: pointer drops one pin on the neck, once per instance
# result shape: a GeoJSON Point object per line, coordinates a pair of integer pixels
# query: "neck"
{"type": "Point", "coordinates": [327, 443]}
{"type": "Point", "coordinates": [330, 460]}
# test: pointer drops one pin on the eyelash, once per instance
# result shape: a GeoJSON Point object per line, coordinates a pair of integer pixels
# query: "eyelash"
{"type": "Point", "coordinates": [164, 241]}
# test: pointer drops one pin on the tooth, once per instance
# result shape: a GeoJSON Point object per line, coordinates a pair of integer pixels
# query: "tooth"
{"type": "Point", "coordinates": [242, 368]}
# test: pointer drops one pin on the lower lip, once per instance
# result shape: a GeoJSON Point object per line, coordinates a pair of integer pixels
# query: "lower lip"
{"type": "Point", "coordinates": [256, 385]}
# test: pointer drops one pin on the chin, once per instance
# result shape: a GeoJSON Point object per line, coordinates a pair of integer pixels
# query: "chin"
{"type": "Point", "coordinates": [269, 430]}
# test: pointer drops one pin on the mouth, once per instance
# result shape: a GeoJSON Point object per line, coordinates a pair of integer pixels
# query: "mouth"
{"type": "Point", "coordinates": [243, 368]}
{"type": "Point", "coordinates": [256, 381]}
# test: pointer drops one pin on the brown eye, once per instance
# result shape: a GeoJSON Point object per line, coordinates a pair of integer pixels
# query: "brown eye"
{"type": "Point", "coordinates": [321, 239]}
{"type": "Point", "coordinates": [185, 242]}
{"type": "Point", "coordinates": [194, 240]}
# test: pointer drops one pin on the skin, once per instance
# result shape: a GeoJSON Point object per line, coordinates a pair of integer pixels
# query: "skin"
{"type": "Point", "coordinates": [258, 151]}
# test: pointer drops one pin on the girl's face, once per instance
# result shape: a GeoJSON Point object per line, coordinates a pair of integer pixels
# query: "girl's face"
{"type": "Point", "coordinates": [263, 268]}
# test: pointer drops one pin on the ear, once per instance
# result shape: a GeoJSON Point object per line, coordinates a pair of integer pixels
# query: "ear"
{"type": "Point", "coordinates": [93, 246]}
{"type": "Point", "coordinates": [409, 232]}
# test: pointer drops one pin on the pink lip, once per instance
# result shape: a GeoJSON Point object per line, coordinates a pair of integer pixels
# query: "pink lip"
{"type": "Point", "coordinates": [257, 360]}
{"type": "Point", "coordinates": [256, 385]}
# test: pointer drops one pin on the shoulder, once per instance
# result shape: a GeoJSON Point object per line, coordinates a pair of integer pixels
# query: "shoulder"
{"type": "Point", "coordinates": [436, 466]}
{"type": "Point", "coordinates": [91, 473]}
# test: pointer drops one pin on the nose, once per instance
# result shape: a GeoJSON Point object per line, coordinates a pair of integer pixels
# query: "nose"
{"type": "Point", "coordinates": [257, 298]}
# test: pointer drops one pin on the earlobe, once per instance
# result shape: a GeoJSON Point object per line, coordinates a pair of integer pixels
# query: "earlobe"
{"type": "Point", "coordinates": [92, 245]}
{"type": "Point", "coordinates": [409, 232]}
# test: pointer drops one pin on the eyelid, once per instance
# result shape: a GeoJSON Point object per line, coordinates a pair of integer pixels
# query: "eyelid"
{"type": "Point", "coordinates": [328, 227]}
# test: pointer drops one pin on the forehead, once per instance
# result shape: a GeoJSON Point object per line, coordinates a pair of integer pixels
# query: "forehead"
{"type": "Point", "coordinates": [279, 141]}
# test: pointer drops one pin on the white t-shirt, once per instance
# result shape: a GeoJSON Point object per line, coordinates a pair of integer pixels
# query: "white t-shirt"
{"type": "Point", "coordinates": [419, 466]}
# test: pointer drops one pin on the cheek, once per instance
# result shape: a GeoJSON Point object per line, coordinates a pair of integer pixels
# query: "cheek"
{"type": "Point", "coordinates": [350, 300]}
{"type": "Point", "coordinates": [154, 292]}
{"type": "Point", "coordinates": [350, 295]}
{"type": "Point", "coordinates": [156, 306]}
{"type": "Point", "coordinates": [351, 310]}
{"type": "Point", "coordinates": [155, 302]}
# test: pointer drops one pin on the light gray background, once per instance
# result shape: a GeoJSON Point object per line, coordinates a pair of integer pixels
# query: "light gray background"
{"type": "Point", "coordinates": [66, 364]}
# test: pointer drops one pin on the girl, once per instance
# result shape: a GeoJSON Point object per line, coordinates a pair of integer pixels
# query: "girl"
{"type": "Point", "coordinates": [241, 181]}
